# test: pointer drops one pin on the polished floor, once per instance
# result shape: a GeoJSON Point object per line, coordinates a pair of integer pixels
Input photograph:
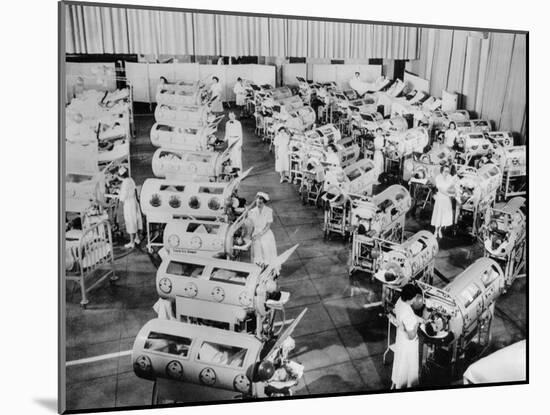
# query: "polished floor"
{"type": "Point", "coordinates": [340, 341]}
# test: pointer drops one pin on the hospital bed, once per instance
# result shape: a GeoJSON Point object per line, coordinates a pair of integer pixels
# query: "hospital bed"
{"type": "Point", "coordinates": [504, 238]}
{"type": "Point", "coordinates": [89, 255]}
{"type": "Point", "coordinates": [382, 217]}
{"type": "Point", "coordinates": [476, 192]}
{"type": "Point", "coordinates": [164, 200]}
{"type": "Point", "coordinates": [459, 315]}
{"type": "Point", "coordinates": [105, 107]}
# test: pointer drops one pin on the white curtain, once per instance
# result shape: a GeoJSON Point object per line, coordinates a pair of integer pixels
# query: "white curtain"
{"type": "Point", "coordinates": [94, 29]}
{"type": "Point", "coordinates": [487, 70]}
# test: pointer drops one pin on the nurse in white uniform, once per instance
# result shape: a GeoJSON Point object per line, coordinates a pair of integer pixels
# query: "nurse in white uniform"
{"type": "Point", "coordinates": [451, 135]}
{"type": "Point", "coordinates": [378, 157]}
{"type": "Point", "coordinates": [281, 141]}
{"type": "Point", "coordinates": [130, 207]}
{"type": "Point", "coordinates": [264, 248]}
{"type": "Point", "coordinates": [406, 358]}
{"type": "Point", "coordinates": [234, 134]}
{"type": "Point", "coordinates": [332, 155]}
{"type": "Point", "coordinates": [443, 209]}
{"type": "Point", "coordinates": [240, 94]}
{"type": "Point", "coordinates": [359, 86]}
{"type": "Point", "coordinates": [216, 95]}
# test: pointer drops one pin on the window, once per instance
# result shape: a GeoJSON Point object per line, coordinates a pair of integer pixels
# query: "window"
{"type": "Point", "coordinates": [171, 188]}
{"type": "Point", "coordinates": [170, 155]}
{"type": "Point", "coordinates": [489, 276]}
{"type": "Point", "coordinates": [469, 294]}
{"type": "Point", "coordinates": [203, 228]}
{"type": "Point", "coordinates": [221, 354]}
{"type": "Point", "coordinates": [166, 343]}
{"type": "Point", "coordinates": [185, 269]}
{"type": "Point", "coordinates": [229, 276]}
{"type": "Point", "coordinates": [354, 174]}
{"type": "Point", "coordinates": [212, 190]}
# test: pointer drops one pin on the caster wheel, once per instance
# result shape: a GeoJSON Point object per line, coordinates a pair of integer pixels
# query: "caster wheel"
{"type": "Point", "coordinates": [83, 306]}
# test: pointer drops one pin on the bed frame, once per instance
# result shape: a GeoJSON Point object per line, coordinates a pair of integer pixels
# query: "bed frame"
{"type": "Point", "coordinates": [94, 253]}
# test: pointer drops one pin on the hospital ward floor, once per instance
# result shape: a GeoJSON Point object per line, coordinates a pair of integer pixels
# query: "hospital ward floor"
{"type": "Point", "coordinates": [340, 341]}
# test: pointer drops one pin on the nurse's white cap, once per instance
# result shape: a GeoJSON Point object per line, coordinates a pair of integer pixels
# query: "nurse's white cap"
{"type": "Point", "coordinates": [263, 195]}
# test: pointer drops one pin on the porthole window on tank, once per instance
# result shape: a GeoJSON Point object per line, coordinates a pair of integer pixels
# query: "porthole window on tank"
{"type": "Point", "coordinates": [174, 202]}
{"type": "Point", "coordinates": [214, 204]}
{"type": "Point", "coordinates": [155, 200]}
{"type": "Point", "coordinates": [194, 203]}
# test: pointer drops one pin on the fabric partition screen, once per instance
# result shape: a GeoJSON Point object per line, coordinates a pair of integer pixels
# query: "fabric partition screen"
{"type": "Point", "coordinates": [324, 73]}
{"type": "Point", "coordinates": [188, 72]}
{"type": "Point", "coordinates": [291, 71]}
{"type": "Point", "coordinates": [263, 74]}
{"type": "Point", "coordinates": [138, 75]}
{"type": "Point", "coordinates": [416, 83]}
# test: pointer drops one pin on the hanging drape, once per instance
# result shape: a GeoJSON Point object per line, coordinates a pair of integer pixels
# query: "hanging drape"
{"type": "Point", "coordinates": [487, 70]}
{"type": "Point", "coordinates": [515, 100]}
{"type": "Point", "coordinates": [94, 29]}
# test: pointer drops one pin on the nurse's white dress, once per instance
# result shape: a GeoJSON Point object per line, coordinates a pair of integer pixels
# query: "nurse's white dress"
{"type": "Point", "coordinates": [130, 207]}
{"type": "Point", "coordinates": [332, 158]}
{"type": "Point", "coordinates": [240, 94]}
{"type": "Point", "coordinates": [264, 249]}
{"type": "Point", "coordinates": [216, 90]}
{"type": "Point", "coordinates": [406, 357]}
{"type": "Point", "coordinates": [450, 138]}
{"type": "Point", "coordinates": [234, 133]}
{"type": "Point", "coordinates": [281, 152]}
{"type": "Point", "coordinates": [443, 209]}
{"type": "Point", "coordinates": [378, 157]}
